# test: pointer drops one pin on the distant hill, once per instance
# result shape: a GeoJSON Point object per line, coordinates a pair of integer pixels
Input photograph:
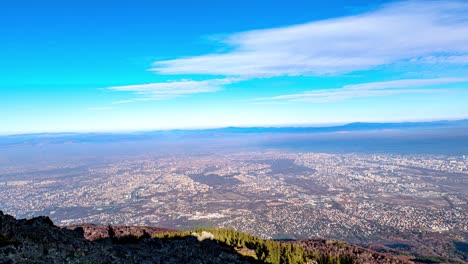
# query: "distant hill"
{"type": "Point", "coordinates": [61, 138]}
{"type": "Point", "coordinates": [38, 240]}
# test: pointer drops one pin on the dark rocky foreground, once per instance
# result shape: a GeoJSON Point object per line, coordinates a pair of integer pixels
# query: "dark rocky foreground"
{"type": "Point", "coordinates": [97, 232]}
{"type": "Point", "coordinates": [38, 240]}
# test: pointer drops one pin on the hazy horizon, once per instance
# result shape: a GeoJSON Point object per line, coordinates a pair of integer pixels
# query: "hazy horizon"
{"type": "Point", "coordinates": [311, 125]}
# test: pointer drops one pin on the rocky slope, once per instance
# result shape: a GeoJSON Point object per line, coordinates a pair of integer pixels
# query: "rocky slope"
{"type": "Point", "coordinates": [96, 232]}
{"type": "Point", "coordinates": [38, 240]}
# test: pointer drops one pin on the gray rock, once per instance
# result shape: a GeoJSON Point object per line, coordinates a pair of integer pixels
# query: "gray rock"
{"type": "Point", "coordinates": [38, 240]}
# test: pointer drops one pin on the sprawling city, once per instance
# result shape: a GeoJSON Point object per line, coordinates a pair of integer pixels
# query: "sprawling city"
{"type": "Point", "coordinates": [400, 201]}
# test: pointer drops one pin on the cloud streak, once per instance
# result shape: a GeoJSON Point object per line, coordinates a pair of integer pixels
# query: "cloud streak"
{"type": "Point", "coordinates": [366, 90]}
{"type": "Point", "coordinates": [456, 59]}
{"type": "Point", "coordinates": [417, 32]}
{"type": "Point", "coordinates": [395, 32]}
{"type": "Point", "coordinates": [169, 90]}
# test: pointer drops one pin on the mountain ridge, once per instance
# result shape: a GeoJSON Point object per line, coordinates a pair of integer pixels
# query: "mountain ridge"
{"type": "Point", "coordinates": [92, 137]}
{"type": "Point", "coordinates": [38, 240]}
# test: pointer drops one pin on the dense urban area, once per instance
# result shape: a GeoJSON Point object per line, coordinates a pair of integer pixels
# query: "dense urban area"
{"type": "Point", "coordinates": [395, 200]}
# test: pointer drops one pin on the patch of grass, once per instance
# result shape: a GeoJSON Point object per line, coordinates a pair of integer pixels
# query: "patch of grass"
{"type": "Point", "coordinates": [247, 252]}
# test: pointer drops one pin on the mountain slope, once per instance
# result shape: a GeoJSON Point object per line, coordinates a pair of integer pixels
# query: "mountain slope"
{"type": "Point", "coordinates": [38, 240]}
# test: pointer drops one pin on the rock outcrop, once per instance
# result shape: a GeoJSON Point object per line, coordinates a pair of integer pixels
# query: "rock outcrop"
{"type": "Point", "coordinates": [38, 240]}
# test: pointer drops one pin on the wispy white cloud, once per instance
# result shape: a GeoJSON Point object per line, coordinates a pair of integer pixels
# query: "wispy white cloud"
{"type": "Point", "coordinates": [422, 32]}
{"type": "Point", "coordinates": [395, 32]}
{"type": "Point", "coordinates": [454, 59]}
{"type": "Point", "coordinates": [367, 89]}
{"type": "Point", "coordinates": [169, 90]}
{"type": "Point", "coordinates": [404, 83]}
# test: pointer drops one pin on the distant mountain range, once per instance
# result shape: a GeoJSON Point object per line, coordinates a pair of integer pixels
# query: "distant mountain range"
{"type": "Point", "coordinates": [57, 138]}
{"type": "Point", "coordinates": [358, 126]}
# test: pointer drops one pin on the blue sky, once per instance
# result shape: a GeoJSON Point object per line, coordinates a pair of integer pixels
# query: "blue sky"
{"type": "Point", "coordinates": [141, 65]}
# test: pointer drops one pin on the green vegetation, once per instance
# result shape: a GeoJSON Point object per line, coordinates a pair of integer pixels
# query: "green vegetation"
{"type": "Point", "coordinates": [180, 234]}
{"type": "Point", "coordinates": [265, 251]}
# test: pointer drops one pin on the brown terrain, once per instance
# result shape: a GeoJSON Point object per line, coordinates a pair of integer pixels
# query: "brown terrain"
{"type": "Point", "coordinates": [96, 232]}
{"type": "Point", "coordinates": [38, 240]}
